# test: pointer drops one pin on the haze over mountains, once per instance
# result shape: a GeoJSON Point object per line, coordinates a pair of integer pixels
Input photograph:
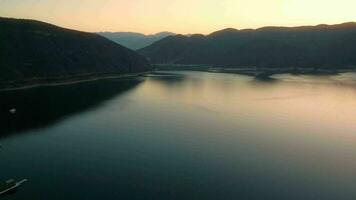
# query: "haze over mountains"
{"type": "Point", "coordinates": [134, 40]}
{"type": "Point", "coordinates": [34, 52]}
{"type": "Point", "coordinates": [322, 46]}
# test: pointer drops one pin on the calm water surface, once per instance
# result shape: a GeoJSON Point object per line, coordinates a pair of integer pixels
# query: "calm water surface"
{"type": "Point", "coordinates": [183, 135]}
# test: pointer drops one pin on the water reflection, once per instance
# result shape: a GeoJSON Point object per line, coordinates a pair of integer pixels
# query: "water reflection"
{"type": "Point", "coordinates": [295, 98]}
{"type": "Point", "coordinates": [189, 135]}
{"type": "Point", "coordinates": [43, 106]}
{"type": "Point", "coordinates": [167, 77]}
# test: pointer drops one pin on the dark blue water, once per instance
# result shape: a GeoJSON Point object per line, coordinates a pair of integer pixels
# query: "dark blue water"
{"type": "Point", "coordinates": [184, 135]}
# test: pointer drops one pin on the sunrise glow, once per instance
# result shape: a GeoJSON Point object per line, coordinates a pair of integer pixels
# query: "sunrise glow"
{"type": "Point", "coordinates": [181, 16]}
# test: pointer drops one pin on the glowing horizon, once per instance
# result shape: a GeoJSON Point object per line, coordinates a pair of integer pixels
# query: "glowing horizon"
{"type": "Point", "coordinates": [179, 16]}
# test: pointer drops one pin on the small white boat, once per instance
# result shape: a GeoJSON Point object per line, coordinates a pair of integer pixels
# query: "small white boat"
{"type": "Point", "coordinates": [10, 185]}
{"type": "Point", "coordinates": [12, 111]}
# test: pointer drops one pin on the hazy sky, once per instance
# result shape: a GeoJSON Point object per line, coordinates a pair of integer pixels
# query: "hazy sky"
{"type": "Point", "coordinates": [180, 16]}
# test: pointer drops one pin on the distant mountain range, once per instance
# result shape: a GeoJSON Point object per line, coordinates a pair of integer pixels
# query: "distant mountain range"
{"type": "Point", "coordinates": [134, 40]}
{"type": "Point", "coordinates": [322, 46]}
{"type": "Point", "coordinates": [33, 52]}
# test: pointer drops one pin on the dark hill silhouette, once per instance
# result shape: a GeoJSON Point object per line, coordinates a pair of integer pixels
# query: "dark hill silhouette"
{"type": "Point", "coordinates": [322, 46]}
{"type": "Point", "coordinates": [34, 52]}
{"type": "Point", "coordinates": [134, 40]}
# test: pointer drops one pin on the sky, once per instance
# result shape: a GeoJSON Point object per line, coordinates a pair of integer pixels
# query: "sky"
{"type": "Point", "coordinates": [179, 16]}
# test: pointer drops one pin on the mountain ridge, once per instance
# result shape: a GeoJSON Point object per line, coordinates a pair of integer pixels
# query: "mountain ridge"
{"type": "Point", "coordinates": [133, 40]}
{"type": "Point", "coordinates": [324, 46]}
{"type": "Point", "coordinates": [34, 52]}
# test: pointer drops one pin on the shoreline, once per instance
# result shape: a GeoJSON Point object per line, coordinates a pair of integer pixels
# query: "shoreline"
{"type": "Point", "coordinates": [255, 72]}
{"type": "Point", "coordinates": [66, 81]}
{"type": "Point", "coordinates": [34, 83]}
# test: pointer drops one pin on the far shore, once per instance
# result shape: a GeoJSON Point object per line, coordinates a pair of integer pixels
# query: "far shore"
{"type": "Point", "coordinates": [249, 71]}
{"type": "Point", "coordinates": [33, 83]}
{"type": "Point", "coordinates": [258, 72]}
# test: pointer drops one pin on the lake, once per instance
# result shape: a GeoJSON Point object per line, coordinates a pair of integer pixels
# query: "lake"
{"type": "Point", "coordinates": [183, 135]}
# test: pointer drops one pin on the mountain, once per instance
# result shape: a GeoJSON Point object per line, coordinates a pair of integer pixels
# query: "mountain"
{"type": "Point", "coordinates": [32, 52]}
{"type": "Point", "coordinates": [322, 46]}
{"type": "Point", "coordinates": [134, 40]}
